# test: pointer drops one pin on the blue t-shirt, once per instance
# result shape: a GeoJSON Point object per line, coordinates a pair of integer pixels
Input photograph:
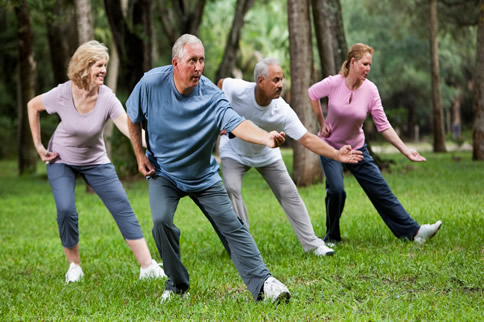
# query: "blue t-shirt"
{"type": "Point", "coordinates": [181, 130]}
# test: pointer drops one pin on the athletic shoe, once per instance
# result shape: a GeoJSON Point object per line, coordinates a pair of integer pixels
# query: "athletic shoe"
{"type": "Point", "coordinates": [323, 250]}
{"type": "Point", "coordinates": [168, 295]}
{"type": "Point", "coordinates": [74, 274]}
{"type": "Point", "coordinates": [152, 271]}
{"type": "Point", "coordinates": [426, 232]}
{"type": "Point", "coordinates": [276, 291]}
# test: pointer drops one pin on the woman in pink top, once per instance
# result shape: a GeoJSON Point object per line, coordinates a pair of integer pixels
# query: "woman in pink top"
{"type": "Point", "coordinates": [351, 98]}
{"type": "Point", "coordinates": [84, 105]}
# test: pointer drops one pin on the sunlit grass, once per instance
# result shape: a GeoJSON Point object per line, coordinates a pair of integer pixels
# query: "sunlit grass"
{"type": "Point", "coordinates": [373, 275]}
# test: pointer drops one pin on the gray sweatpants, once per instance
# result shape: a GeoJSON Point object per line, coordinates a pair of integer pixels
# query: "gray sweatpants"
{"type": "Point", "coordinates": [284, 189]}
{"type": "Point", "coordinates": [215, 205]}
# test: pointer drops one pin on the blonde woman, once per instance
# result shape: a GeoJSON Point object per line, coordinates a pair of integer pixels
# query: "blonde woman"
{"type": "Point", "coordinates": [351, 98]}
{"type": "Point", "coordinates": [84, 105]}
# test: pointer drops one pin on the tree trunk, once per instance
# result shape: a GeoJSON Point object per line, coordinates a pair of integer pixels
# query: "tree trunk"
{"type": "Point", "coordinates": [437, 110]}
{"type": "Point", "coordinates": [478, 107]}
{"type": "Point", "coordinates": [132, 36]}
{"type": "Point", "coordinates": [62, 38]}
{"type": "Point", "coordinates": [179, 17]}
{"type": "Point", "coordinates": [27, 156]}
{"type": "Point", "coordinates": [411, 122]}
{"type": "Point", "coordinates": [84, 21]}
{"type": "Point", "coordinates": [306, 164]}
{"type": "Point", "coordinates": [456, 119]}
{"type": "Point", "coordinates": [324, 36]}
{"type": "Point", "coordinates": [112, 82]}
{"type": "Point", "coordinates": [232, 46]}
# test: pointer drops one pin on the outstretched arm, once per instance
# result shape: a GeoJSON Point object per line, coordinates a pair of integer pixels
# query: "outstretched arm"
{"type": "Point", "coordinates": [249, 132]}
{"type": "Point", "coordinates": [318, 146]}
{"type": "Point", "coordinates": [391, 136]}
{"type": "Point", "coordinates": [34, 107]}
{"type": "Point", "coordinates": [144, 165]}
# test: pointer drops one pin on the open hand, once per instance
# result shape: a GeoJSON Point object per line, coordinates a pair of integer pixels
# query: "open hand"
{"type": "Point", "coordinates": [414, 156]}
{"type": "Point", "coordinates": [347, 155]}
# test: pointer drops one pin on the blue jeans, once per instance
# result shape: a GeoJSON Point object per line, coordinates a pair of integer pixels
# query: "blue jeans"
{"type": "Point", "coordinates": [104, 181]}
{"type": "Point", "coordinates": [376, 188]}
{"type": "Point", "coordinates": [215, 205]}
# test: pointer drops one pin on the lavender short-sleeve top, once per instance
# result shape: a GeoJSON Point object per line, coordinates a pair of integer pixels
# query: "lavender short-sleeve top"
{"type": "Point", "coordinates": [78, 139]}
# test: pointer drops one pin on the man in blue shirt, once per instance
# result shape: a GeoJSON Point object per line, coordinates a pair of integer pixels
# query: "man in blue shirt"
{"type": "Point", "coordinates": [184, 113]}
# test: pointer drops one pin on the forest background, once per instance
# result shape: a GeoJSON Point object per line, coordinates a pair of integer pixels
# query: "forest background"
{"type": "Point", "coordinates": [427, 63]}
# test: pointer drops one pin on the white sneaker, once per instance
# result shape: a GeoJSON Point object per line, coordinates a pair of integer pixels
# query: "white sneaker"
{"type": "Point", "coordinates": [426, 232]}
{"type": "Point", "coordinates": [323, 250]}
{"type": "Point", "coordinates": [276, 291]}
{"type": "Point", "coordinates": [74, 274]}
{"type": "Point", "coordinates": [169, 295]}
{"type": "Point", "coordinates": [152, 271]}
{"type": "Point", "coordinates": [166, 296]}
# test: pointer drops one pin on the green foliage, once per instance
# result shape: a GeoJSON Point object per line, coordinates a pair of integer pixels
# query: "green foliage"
{"type": "Point", "coordinates": [372, 276]}
{"type": "Point", "coordinates": [264, 34]}
{"type": "Point", "coordinates": [398, 31]}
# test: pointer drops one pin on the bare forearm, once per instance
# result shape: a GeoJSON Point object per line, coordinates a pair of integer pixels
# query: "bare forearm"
{"type": "Point", "coordinates": [34, 107]}
{"type": "Point", "coordinates": [249, 132]}
{"type": "Point", "coordinates": [121, 123]}
{"type": "Point", "coordinates": [135, 135]}
{"type": "Point", "coordinates": [316, 105]}
{"type": "Point", "coordinates": [391, 136]}
{"type": "Point", "coordinates": [318, 146]}
{"type": "Point", "coordinates": [34, 122]}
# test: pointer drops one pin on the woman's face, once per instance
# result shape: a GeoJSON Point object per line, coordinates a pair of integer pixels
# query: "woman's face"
{"type": "Point", "coordinates": [97, 72]}
{"type": "Point", "coordinates": [361, 68]}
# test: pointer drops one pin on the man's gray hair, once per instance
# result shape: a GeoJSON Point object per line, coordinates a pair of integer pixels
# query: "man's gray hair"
{"type": "Point", "coordinates": [262, 67]}
{"type": "Point", "coordinates": [178, 49]}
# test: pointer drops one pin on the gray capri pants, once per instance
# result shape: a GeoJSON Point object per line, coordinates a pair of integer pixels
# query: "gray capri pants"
{"type": "Point", "coordinates": [105, 182]}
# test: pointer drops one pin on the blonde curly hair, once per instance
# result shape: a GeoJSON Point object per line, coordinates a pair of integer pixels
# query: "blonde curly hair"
{"type": "Point", "coordinates": [82, 60]}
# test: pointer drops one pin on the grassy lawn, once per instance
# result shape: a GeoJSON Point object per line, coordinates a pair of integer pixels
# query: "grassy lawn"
{"type": "Point", "coordinates": [373, 275]}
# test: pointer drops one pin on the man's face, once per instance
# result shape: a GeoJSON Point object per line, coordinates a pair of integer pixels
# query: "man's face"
{"type": "Point", "coordinates": [271, 85]}
{"type": "Point", "coordinates": [188, 69]}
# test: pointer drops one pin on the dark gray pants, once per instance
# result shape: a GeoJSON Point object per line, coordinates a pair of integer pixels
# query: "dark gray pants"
{"type": "Point", "coordinates": [216, 206]}
{"type": "Point", "coordinates": [104, 181]}
{"type": "Point", "coordinates": [376, 188]}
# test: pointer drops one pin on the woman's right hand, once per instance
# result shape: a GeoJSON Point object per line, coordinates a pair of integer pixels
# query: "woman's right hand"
{"type": "Point", "coordinates": [325, 130]}
{"type": "Point", "coordinates": [45, 155]}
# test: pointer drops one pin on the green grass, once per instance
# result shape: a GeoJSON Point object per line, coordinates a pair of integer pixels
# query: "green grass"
{"type": "Point", "coordinates": [373, 275]}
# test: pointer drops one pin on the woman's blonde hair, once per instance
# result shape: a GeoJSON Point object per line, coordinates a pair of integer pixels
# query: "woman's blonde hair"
{"type": "Point", "coordinates": [357, 51]}
{"type": "Point", "coordinates": [82, 60]}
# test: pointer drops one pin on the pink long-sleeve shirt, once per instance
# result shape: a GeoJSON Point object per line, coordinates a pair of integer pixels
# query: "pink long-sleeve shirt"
{"type": "Point", "coordinates": [345, 118]}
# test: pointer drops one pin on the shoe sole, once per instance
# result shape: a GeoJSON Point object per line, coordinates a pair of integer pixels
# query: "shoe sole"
{"type": "Point", "coordinates": [282, 298]}
{"type": "Point", "coordinates": [436, 231]}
